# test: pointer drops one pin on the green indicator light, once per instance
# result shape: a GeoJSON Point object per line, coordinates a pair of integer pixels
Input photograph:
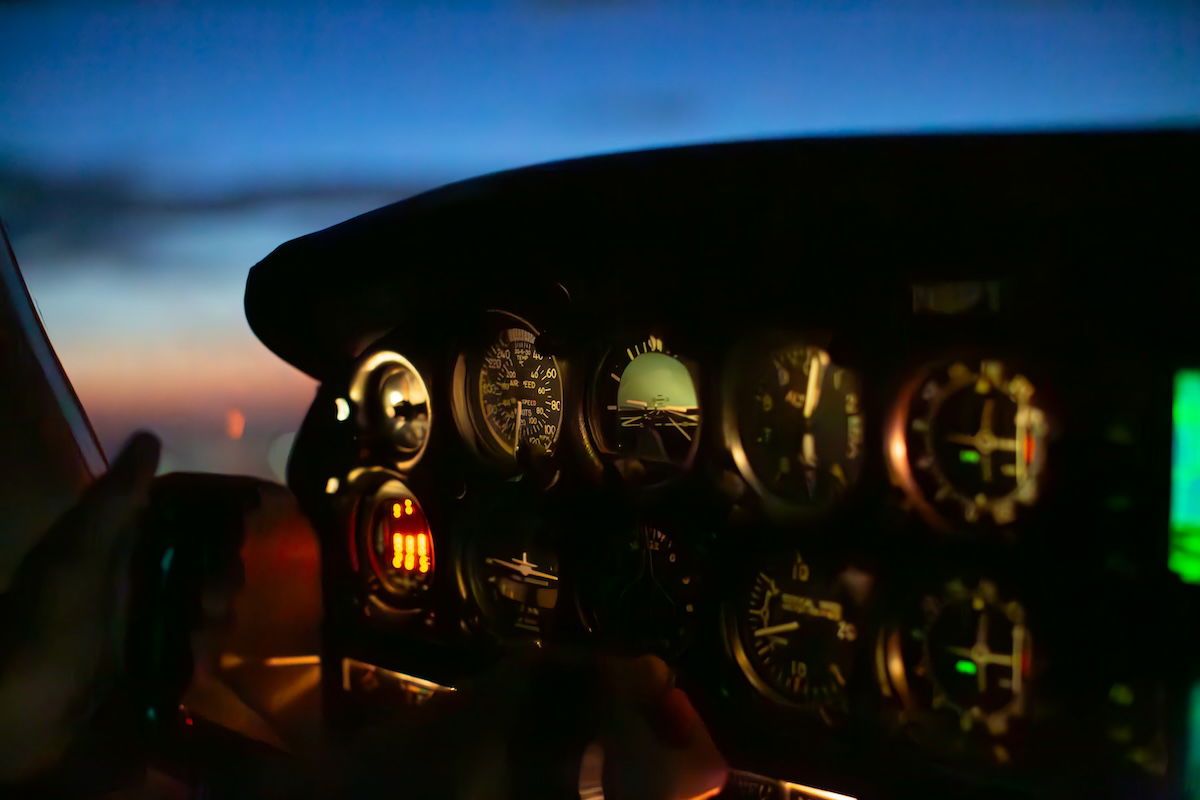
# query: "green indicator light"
{"type": "Point", "coordinates": [968, 456]}
{"type": "Point", "coordinates": [1184, 554]}
{"type": "Point", "coordinates": [966, 667]}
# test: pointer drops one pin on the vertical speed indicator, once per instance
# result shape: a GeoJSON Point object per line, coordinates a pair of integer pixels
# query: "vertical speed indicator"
{"type": "Point", "coordinates": [797, 633]}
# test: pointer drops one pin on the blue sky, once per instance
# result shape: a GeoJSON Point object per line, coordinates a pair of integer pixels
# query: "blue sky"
{"type": "Point", "coordinates": [151, 152]}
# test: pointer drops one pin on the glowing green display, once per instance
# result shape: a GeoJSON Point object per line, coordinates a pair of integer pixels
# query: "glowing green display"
{"type": "Point", "coordinates": [656, 380]}
{"type": "Point", "coordinates": [1184, 554]}
{"type": "Point", "coordinates": [966, 667]}
{"type": "Point", "coordinates": [968, 456]}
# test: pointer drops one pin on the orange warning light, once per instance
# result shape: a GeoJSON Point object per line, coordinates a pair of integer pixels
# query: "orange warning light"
{"type": "Point", "coordinates": [405, 543]}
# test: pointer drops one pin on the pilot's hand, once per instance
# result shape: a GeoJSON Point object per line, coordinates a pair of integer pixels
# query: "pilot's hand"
{"type": "Point", "coordinates": [62, 632]}
{"type": "Point", "coordinates": [653, 742]}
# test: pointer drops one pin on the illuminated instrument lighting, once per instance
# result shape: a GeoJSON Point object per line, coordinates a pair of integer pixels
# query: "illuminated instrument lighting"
{"type": "Point", "coordinates": [898, 447]}
{"type": "Point", "coordinates": [1184, 552]}
{"type": "Point", "coordinates": [292, 661]}
{"type": "Point", "coordinates": [422, 553]}
{"type": "Point", "coordinates": [363, 677]}
{"type": "Point", "coordinates": [803, 792]}
{"type": "Point", "coordinates": [331, 486]}
{"type": "Point", "coordinates": [396, 544]}
{"type": "Point", "coordinates": [966, 667]}
{"type": "Point", "coordinates": [342, 408]}
{"type": "Point", "coordinates": [969, 456]}
{"type": "Point", "coordinates": [410, 551]}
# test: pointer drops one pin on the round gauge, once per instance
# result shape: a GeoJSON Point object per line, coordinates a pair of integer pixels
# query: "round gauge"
{"type": "Point", "coordinates": [511, 573]}
{"type": "Point", "coordinates": [650, 592]}
{"type": "Point", "coordinates": [396, 543]}
{"type": "Point", "coordinates": [968, 443]}
{"type": "Point", "coordinates": [645, 406]}
{"type": "Point", "coordinates": [797, 631]}
{"type": "Point", "coordinates": [798, 434]}
{"type": "Point", "coordinates": [394, 403]}
{"type": "Point", "coordinates": [967, 656]}
{"type": "Point", "coordinates": [516, 391]}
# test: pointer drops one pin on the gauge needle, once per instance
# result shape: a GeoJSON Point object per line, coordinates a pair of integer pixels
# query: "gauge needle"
{"type": "Point", "coordinates": [786, 627]}
{"type": "Point", "coordinates": [523, 566]}
{"type": "Point", "coordinates": [812, 395]}
{"type": "Point", "coordinates": [679, 428]}
{"type": "Point", "coordinates": [517, 432]}
{"type": "Point", "coordinates": [987, 657]}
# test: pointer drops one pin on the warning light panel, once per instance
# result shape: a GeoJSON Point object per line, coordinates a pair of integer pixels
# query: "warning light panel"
{"type": "Point", "coordinates": [398, 545]}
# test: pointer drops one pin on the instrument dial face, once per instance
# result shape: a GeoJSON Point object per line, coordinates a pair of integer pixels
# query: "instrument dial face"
{"type": "Point", "coordinates": [967, 657]}
{"type": "Point", "coordinates": [520, 391]}
{"type": "Point", "coordinates": [514, 579]}
{"type": "Point", "coordinates": [800, 426]}
{"type": "Point", "coordinates": [397, 543]}
{"type": "Point", "coordinates": [393, 405]}
{"type": "Point", "coordinates": [650, 592]}
{"type": "Point", "coordinates": [404, 408]}
{"type": "Point", "coordinates": [798, 633]}
{"type": "Point", "coordinates": [972, 445]}
{"type": "Point", "coordinates": [646, 405]}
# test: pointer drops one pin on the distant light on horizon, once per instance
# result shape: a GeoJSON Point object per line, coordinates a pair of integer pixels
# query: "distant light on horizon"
{"type": "Point", "coordinates": [235, 424]}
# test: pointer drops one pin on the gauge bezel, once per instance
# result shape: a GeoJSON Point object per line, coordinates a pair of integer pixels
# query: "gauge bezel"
{"type": "Point", "coordinates": [774, 505]}
{"type": "Point", "coordinates": [899, 462]}
{"type": "Point", "coordinates": [373, 487]}
{"type": "Point", "coordinates": [471, 590]}
{"type": "Point", "coordinates": [367, 374]}
{"type": "Point", "coordinates": [893, 671]}
{"type": "Point", "coordinates": [467, 405]}
{"type": "Point", "coordinates": [733, 622]}
{"type": "Point", "coordinates": [656, 473]}
{"type": "Point", "coordinates": [593, 602]}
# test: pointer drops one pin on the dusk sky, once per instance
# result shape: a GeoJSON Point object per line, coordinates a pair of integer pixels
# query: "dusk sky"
{"type": "Point", "coordinates": [152, 152]}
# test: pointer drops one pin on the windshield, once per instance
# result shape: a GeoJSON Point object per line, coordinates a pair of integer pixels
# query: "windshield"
{"type": "Point", "coordinates": [153, 152]}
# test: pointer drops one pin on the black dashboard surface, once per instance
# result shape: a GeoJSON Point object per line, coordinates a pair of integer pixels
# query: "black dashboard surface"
{"type": "Point", "coordinates": [1065, 262]}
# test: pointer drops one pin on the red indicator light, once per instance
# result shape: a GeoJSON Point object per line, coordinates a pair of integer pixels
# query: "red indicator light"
{"type": "Point", "coordinates": [1030, 446]}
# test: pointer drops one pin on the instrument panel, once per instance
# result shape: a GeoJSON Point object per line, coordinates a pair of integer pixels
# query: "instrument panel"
{"type": "Point", "coordinates": [709, 507]}
{"type": "Point", "coordinates": [894, 536]}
